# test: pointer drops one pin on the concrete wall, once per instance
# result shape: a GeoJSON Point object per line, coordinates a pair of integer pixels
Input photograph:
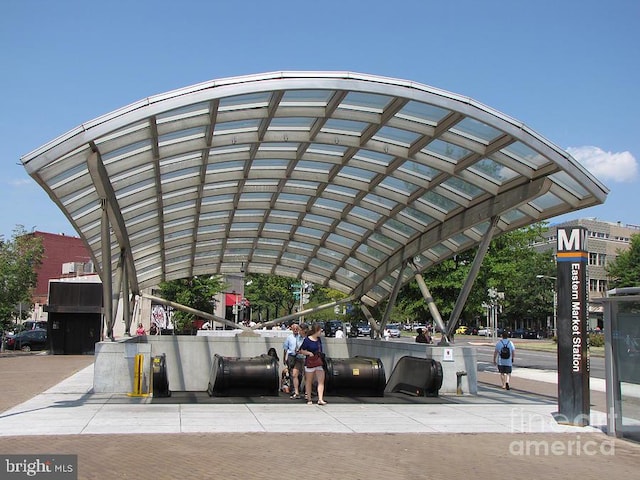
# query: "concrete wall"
{"type": "Point", "coordinates": [189, 358]}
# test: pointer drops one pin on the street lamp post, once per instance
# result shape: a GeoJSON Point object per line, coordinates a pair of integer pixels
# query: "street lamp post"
{"type": "Point", "coordinates": [555, 302]}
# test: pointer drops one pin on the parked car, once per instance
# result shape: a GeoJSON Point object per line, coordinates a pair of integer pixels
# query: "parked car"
{"type": "Point", "coordinates": [483, 332]}
{"type": "Point", "coordinates": [462, 330]}
{"type": "Point", "coordinates": [394, 330]}
{"type": "Point", "coordinates": [525, 333]}
{"type": "Point", "coordinates": [364, 330]}
{"type": "Point", "coordinates": [331, 327]}
{"type": "Point", "coordinates": [28, 340]}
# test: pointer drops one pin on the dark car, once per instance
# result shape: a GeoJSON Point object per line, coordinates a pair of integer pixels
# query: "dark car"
{"type": "Point", "coordinates": [525, 333]}
{"type": "Point", "coordinates": [29, 340]}
{"type": "Point", "coordinates": [331, 327]}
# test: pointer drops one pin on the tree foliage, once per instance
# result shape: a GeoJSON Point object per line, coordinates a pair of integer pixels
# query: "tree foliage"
{"type": "Point", "coordinates": [510, 266]}
{"type": "Point", "coordinates": [624, 271]}
{"type": "Point", "coordinates": [196, 292]}
{"type": "Point", "coordinates": [20, 258]}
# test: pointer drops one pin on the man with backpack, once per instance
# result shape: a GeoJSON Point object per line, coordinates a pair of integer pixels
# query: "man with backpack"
{"type": "Point", "coordinates": [503, 358]}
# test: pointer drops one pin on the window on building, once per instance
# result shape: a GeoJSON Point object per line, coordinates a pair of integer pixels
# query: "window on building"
{"type": "Point", "coordinates": [597, 259]}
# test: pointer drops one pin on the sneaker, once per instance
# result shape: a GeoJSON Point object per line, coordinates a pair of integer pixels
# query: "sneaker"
{"type": "Point", "coordinates": [507, 386]}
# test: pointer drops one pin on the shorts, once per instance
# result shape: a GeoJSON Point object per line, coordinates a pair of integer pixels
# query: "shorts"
{"type": "Point", "coordinates": [504, 368]}
{"type": "Point", "coordinates": [294, 363]}
{"type": "Point", "coordinates": [314, 369]}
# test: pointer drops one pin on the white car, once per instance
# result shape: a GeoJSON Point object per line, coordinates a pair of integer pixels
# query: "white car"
{"type": "Point", "coordinates": [483, 332]}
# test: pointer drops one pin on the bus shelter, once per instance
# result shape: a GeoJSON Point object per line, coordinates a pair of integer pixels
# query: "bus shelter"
{"type": "Point", "coordinates": [622, 359]}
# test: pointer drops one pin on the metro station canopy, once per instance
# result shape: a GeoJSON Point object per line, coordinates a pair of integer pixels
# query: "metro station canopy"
{"type": "Point", "coordinates": [336, 178]}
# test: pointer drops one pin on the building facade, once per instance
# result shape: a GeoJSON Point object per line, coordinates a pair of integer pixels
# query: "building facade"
{"type": "Point", "coordinates": [605, 241]}
{"type": "Point", "coordinates": [64, 256]}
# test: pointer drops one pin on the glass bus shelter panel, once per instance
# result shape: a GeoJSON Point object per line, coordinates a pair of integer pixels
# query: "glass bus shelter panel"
{"type": "Point", "coordinates": [624, 365]}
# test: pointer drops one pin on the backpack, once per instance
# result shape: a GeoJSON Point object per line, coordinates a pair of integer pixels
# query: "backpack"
{"type": "Point", "coordinates": [505, 351]}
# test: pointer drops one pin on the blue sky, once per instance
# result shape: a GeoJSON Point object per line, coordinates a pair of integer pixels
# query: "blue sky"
{"type": "Point", "coordinates": [568, 69]}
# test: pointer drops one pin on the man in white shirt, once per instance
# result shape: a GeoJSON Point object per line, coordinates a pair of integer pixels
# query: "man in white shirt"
{"type": "Point", "coordinates": [339, 333]}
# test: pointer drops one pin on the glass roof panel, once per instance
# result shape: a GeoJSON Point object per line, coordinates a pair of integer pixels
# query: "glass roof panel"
{"type": "Point", "coordinates": [396, 136]}
{"type": "Point", "coordinates": [340, 240]}
{"type": "Point", "coordinates": [313, 167]}
{"type": "Point", "coordinates": [463, 188]}
{"type": "Point", "coordinates": [130, 149]}
{"type": "Point", "coordinates": [414, 168]}
{"type": "Point", "coordinates": [355, 263]}
{"type": "Point", "coordinates": [547, 201]}
{"type": "Point", "coordinates": [306, 97]}
{"type": "Point", "coordinates": [383, 240]}
{"type": "Point", "coordinates": [369, 102]}
{"type": "Point", "coordinates": [316, 262]}
{"type": "Point", "coordinates": [439, 202]}
{"type": "Point", "coordinates": [237, 126]}
{"type": "Point", "coordinates": [570, 184]}
{"type": "Point", "coordinates": [422, 112]}
{"type": "Point", "coordinates": [325, 221]}
{"type": "Point", "coordinates": [350, 227]}
{"type": "Point", "coordinates": [398, 185]}
{"type": "Point", "coordinates": [344, 127]}
{"type": "Point", "coordinates": [380, 201]}
{"type": "Point", "coordinates": [269, 163]}
{"type": "Point", "coordinates": [365, 214]}
{"type": "Point", "coordinates": [221, 167]}
{"type": "Point", "coordinates": [277, 227]}
{"type": "Point", "coordinates": [439, 250]}
{"type": "Point", "coordinates": [446, 150]}
{"type": "Point", "coordinates": [374, 158]}
{"type": "Point", "coordinates": [400, 228]}
{"type": "Point", "coordinates": [327, 149]}
{"type": "Point", "coordinates": [357, 173]}
{"type": "Point", "coordinates": [522, 153]}
{"type": "Point", "coordinates": [476, 130]}
{"type": "Point", "coordinates": [417, 216]}
{"type": "Point", "coordinates": [248, 100]}
{"type": "Point", "coordinates": [492, 169]}
{"type": "Point", "coordinates": [310, 232]}
{"type": "Point", "coordinates": [291, 123]}
{"type": "Point", "coordinates": [370, 251]}
{"type": "Point", "coordinates": [178, 136]}
{"type": "Point", "coordinates": [187, 111]}
{"type": "Point", "coordinates": [338, 257]}
{"type": "Point", "coordinates": [513, 216]}
{"type": "Point", "coordinates": [329, 204]}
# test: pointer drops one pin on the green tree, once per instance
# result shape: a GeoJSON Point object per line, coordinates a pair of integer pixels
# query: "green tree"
{"type": "Point", "coordinates": [270, 296]}
{"type": "Point", "coordinates": [510, 266]}
{"type": "Point", "coordinates": [196, 292]}
{"type": "Point", "coordinates": [20, 258]}
{"type": "Point", "coordinates": [624, 271]}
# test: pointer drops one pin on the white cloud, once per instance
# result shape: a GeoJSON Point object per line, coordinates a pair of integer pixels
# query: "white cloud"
{"type": "Point", "coordinates": [20, 182]}
{"type": "Point", "coordinates": [619, 167]}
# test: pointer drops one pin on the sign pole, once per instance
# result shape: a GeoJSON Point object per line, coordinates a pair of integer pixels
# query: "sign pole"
{"type": "Point", "coordinates": [573, 341]}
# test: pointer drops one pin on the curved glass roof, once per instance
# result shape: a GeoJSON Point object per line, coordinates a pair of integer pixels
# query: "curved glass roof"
{"type": "Point", "coordinates": [332, 177]}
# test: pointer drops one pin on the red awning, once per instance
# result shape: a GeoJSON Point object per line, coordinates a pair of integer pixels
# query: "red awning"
{"type": "Point", "coordinates": [231, 299]}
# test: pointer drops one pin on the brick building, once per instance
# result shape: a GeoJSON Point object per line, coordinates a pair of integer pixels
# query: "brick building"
{"type": "Point", "coordinates": [64, 256]}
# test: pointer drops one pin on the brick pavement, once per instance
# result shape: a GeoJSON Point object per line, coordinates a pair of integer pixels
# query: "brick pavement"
{"type": "Point", "coordinates": [320, 456]}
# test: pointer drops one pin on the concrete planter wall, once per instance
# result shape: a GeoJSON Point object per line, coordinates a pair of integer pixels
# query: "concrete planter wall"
{"type": "Point", "coordinates": [189, 358]}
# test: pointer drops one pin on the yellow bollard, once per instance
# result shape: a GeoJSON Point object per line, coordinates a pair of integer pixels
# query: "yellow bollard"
{"type": "Point", "coordinates": [138, 377]}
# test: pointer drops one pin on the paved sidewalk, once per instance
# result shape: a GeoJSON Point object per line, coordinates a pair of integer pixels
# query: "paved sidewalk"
{"type": "Point", "coordinates": [118, 437]}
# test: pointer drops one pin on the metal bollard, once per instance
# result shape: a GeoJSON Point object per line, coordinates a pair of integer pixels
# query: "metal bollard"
{"type": "Point", "coordinates": [459, 376]}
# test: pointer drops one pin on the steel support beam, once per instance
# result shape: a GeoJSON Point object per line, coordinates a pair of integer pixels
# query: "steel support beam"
{"type": "Point", "coordinates": [483, 248]}
{"type": "Point", "coordinates": [433, 308]}
{"type": "Point", "coordinates": [107, 286]}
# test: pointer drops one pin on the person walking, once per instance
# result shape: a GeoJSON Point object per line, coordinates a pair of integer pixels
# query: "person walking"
{"type": "Point", "coordinates": [311, 348]}
{"type": "Point", "coordinates": [293, 359]}
{"type": "Point", "coordinates": [503, 356]}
